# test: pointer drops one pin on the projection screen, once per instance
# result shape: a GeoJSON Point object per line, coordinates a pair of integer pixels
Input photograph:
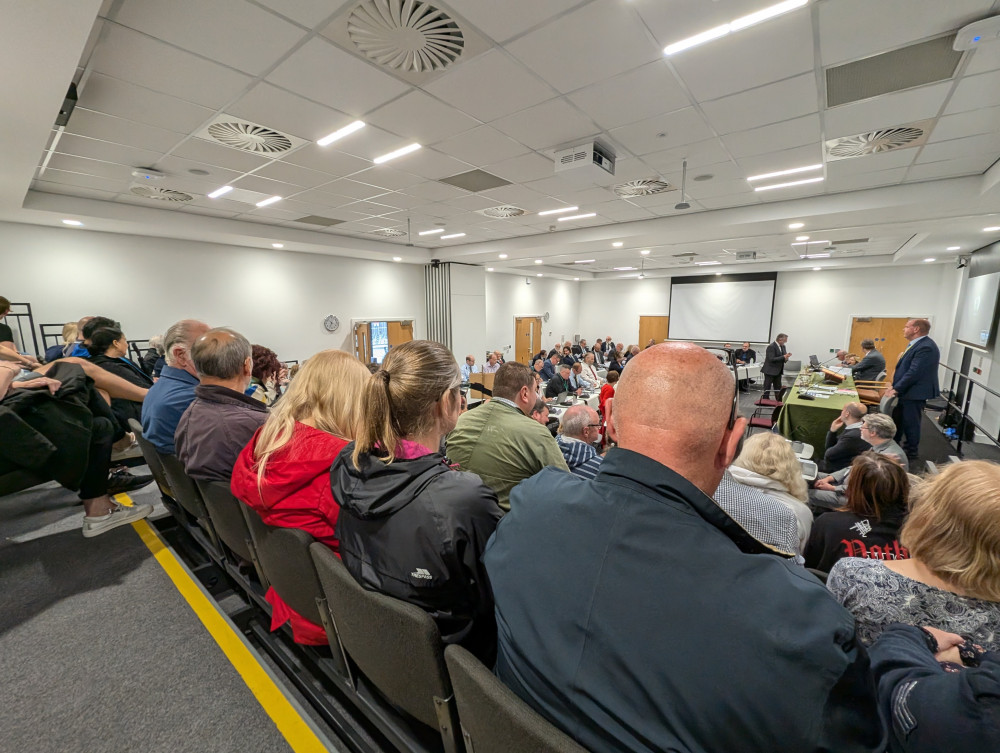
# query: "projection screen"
{"type": "Point", "coordinates": [731, 308]}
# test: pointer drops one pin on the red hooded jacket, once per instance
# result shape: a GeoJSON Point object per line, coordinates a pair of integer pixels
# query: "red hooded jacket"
{"type": "Point", "coordinates": [294, 493]}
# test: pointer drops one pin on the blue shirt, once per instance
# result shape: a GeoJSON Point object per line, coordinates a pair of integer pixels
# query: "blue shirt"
{"type": "Point", "coordinates": [468, 371]}
{"type": "Point", "coordinates": [164, 405]}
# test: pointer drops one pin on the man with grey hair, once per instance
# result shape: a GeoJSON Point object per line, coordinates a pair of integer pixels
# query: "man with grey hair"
{"type": "Point", "coordinates": [872, 363]}
{"type": "Point", "coordinates": [579, 430]}
{"type": "Point", "coordinates": [174, 391]}
{"type": "Point", "coordinates": [878, 430]}
{"type": "Point", "coordinates": [222, 419]}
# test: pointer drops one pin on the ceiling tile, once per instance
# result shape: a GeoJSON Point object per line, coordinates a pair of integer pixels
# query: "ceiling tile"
{"type": "Point", "coordinates": [680, 19]}
{"type": "Point", "coordinates": [774, 137]}
{"type": "Point", "coordinates": [836, 184]}
{"type": "Point", "coordinates": [352, 188]}
{"type": "Point", "coordinates": [85, 181]}
{"type": "Point", "coordinates": [141, 60]}
{"type": "Point", "coordinates": [266, 186]}
{"type": "Point", "coordinates": [946, 169]}
{"type": "Point", "coordinates": [678, 128]}
{"type": "Point", "coordinates": [104, 150]}
{"type": "Point", "coordinates": [116, 97]}
{"type": "Point", "coordinates": [782, 160]}
{"type": "Point", "coordinates": [120, 131]}
{"type": "Point", "coordinates": [66, 190]}
{"type": "Point", "coordinates": [549, 125]}
{"type": "Point", "coordinates": [516, 195]}
{"type": "Point", "coordinates": [276, 108]}
{"type": "Point", "coordinates": [974, 92]}
{"type": "Point", "coordinates": [324, 73]}
{"type": "Point", "coordinates": [433, 191]}
{"type": "Point", "coordinates": [176, 166]}
{"type": "Point", "coordinates": [699, 155]}
{"type": "Point", "coordinates": [206, 211]}
{"type": "Point", "coordinates": [482, 146]}
{"type": "Point", "coordinates": [222, 30]}
{"type": "Point", "coordinates": [972, 123]}
{"type": "Point", "coordinates": [523, 169]}
{"type": "Point", "coordinates": [327, 160]}
{"type": "Point", "coordinates": [511, 86]}
{"type": "Point", "coordinates": [614, 103]}
{"type": "Point", "coordinates": [429, 163]}
{"type": "Point", "coordinates": [504, 20]}
{"type": "Point", "coordinates": [773, 103]}
{"type": "Point", "coordinates": [90, 167]}
{"type": "Point", "coordinates": [556, 54]}
{"type": "Point", "coordinates": [400, 200]}
{"type": "Point", "coordinates": [298, 176]}
{"type": "Point", "coordinates": [894, 109]}
{"type": "Point", "coordinates": [309, 13]}
{"type": "Point", "coordinates": [220, 156]}
{"type": "Point", "coordinates": [871, 163]}
{"type": "Point", "coordinates": [419, 117]}
{"type": "Point", "coordinates": [985, 148]}
{"type": "Point", "coordinates": [387, 177]}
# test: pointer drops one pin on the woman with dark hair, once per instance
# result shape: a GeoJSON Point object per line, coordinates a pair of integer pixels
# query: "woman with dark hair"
{"type": "Point", "coordinates": [567, 356]}
{"type": "Point", "coordinates": [616, 363]}
{"type": "Point", "coordinates": [109, 350]}
{"type": "Point", "coordinates": [410, 526]}
{"type": "Point", "coordinates": [266, 370]}
{"type": "Point", "coordinates": [868, 525]}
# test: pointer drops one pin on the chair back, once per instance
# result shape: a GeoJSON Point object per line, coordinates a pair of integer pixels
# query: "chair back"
{"type": "Point", "coordinates": [152, 458]}
{"type": "Point", "coordinates": [284, 557]}
{"type": "Point", "coordinates": [185, 491]}
{"type": "Point", "coordinates": [493, 718]}
{"type": "Point", "coordinates": [881, 376]}
{"type": "Point", "coordinates": [793, 367]}
{"type": "Point", "coordinates": [887, 404]}
{"type": "Point", "coordinates": [396, 645]}
{"type": "Point", "coordinates": [227, 517]}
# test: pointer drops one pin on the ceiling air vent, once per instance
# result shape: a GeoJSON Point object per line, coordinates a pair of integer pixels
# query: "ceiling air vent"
{"type": "Point", "coordinates": [475, 181]}
{"type": "Point", "coordinates": [160, 194]}
{"type": "Point", "coordinates": [645, 187]}
{"type": "Point", "coordinates": [388, 232]}
{"type": "Point", "coordinates": [237, 133]}
{"type": "Point", "coordinates": [502, 213]}
{"type": "Point", "coordinates": [315, 219]}
{"type": "Point", "coordinates": [849, 242]}
{"type": "Point", "coordinates": [877, 142]}
{"type": "Point", "coordinates": [688, 255]}
{"type": "Point", "coordinates": [406, 35]}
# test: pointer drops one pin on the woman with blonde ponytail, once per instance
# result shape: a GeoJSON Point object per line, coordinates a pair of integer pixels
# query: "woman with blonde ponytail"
{"type": "Point", "coordinates": [410, 526]}
{"type": "Point", "coordinates": [284, 472]}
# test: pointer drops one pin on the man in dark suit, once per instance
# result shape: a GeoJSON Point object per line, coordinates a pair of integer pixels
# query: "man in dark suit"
{"type": "Point", "coordinates": [742, 356]}
{"type": "Point", "coordinates": [914, 383]}
{"type": "Point", "coordinates": [871, 364]}
{"type": "Point", "coordinates": [843, 441]}
{"type": "Point", "coordinates": [774, 365]}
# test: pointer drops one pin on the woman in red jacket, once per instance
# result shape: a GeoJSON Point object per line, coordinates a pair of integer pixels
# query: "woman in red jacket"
{"type": "Point", "coordinates": [284, 472]}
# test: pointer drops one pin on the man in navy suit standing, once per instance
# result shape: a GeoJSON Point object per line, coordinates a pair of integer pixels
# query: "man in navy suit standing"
{"type": "Point", "coordinates": [914, 383]}
{"type": "Point", "coordinates": [774, 364]}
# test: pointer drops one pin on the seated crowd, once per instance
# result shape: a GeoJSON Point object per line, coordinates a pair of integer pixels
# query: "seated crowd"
{"type": "Point", "coordinates": [637, 578]}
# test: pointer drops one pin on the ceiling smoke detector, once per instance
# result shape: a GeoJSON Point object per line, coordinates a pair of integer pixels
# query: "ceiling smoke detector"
{"type": "Point", "coordinates": [388, 232]}
{"type": "Point", "coordinates": [406, 35]}
{"type": "Point", "coordinates": [247, 136]}
{"type": "Point", "coordinates": [504, 212]}
{"type": "Point", "coordinates": [880, 141]}
{"type": "Point", "coordinates": [644, 187]}
{"type": "Point", "coordinates": [160, 194]}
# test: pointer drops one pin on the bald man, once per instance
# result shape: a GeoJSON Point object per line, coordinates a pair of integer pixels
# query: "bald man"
{"type": "Point", "coordinates": [844, 441]}
{"type": "Point", "coordinates": [635, 615]}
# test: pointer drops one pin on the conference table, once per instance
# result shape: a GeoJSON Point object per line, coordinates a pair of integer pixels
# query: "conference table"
{"type": "Point", "coordinates": [809, 420]}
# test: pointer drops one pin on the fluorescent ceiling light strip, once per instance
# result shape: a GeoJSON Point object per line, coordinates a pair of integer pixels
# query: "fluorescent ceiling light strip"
{"type": "Point", "coordinates": [814, 256]}
{"type": "Point", "coordinates": [398, 153]}
{"type": "Point", "coordinates": [220, 191]}
{"type": "Point", "coordinates": [347, 130]}
{"type": "Point", "coordinates": [432, 232]}
{"type": "Point", "coordinates": [789, 185]}
{"type": "Point", "coordinates": [808, 243]}
{"type": "Point", "coordinates": [453, 235]}
{"type": "Point", "coordinates": [578, 217]}
{"type": "Point", "coordinates": [585, 261]}
{"type": "Point", "coordinates": [738, 24]}
{"type": "Point", "coordinates": [624, 269]}
{"type": "Point", "coordinates": [706, 263]}
{"type": "Point", "coordinates": [74, 223]}
{"type": "Point", "coordinates": [778, 174]}
{"type": "Point", "coordinates": [268, 202]}
{"type": "Point", "coordinates": [557, 211]}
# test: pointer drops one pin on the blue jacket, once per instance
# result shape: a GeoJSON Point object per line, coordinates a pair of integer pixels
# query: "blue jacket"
{"type": "Point", "coordinates": [164, 405]}
{"type": "Point", "coordinates": [548, 370]}
{"type": "Point", "coordinates": [916, 375]}
{"type": "Point", "coordinates": [635, 615]}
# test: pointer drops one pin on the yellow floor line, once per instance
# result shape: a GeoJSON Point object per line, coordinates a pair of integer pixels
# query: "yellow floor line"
{"type": "Point", "coordinates": [290, 723]}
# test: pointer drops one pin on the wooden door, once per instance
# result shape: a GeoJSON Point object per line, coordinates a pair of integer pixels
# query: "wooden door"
{"type": "Point", "coordinates": [399, 332]}
{"type": "Point", "coordinates": [654, 327]}
{"type": "Point", "coordinates": [362, 342]}
{"type": "Point", "coordinates": [886, 331]}
{"type": "Point", "coordinates": [527, 337]}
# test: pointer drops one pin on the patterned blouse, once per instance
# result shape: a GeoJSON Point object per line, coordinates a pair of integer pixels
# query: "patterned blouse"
{"type": "Point", "coordinates": [878, 597]}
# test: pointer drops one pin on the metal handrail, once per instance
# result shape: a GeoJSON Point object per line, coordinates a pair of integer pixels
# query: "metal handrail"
{"type": "Point", "coordinates": [964, 393]}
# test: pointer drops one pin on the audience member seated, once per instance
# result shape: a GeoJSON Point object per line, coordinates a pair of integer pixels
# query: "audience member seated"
{"type": "Point", "coordinates": [550, 368]}
{"type": "Point", "coordinates": [868, 525]}
{"type": "Point", "coordinates": [60, 427]}
{"type": "Point", "coordinates": [607, 391]}
{"type": "Point", "coordinates": [69, 333]}
{"type": "Point", "coordinates": [590, 371]}
{"type": "Point", "coordinates": [872, 363]}
{"type": "Point", "coordinates": [555, 351]}
{"type": "Point", "coordinates": [951, 580]}
{"type": "Point", "coordinates": [878, 430]}
{"type": "Point", "coordinates": [174, 390]}
{"type": "Point", "coordinates": [284, 472]}
{"type": "Point", "coordinates": [499, 441]}
{"type": "Point", "coordinates": [223, 418]}
{"type": "Point", "coordinates": [577, 379]}
{"type": "Point", "coordinates": [635, 615]}
{"type": "Point", "coordinates": [6, 333]}
{"type": "Point", "coordinates": [567, 356]}
{"type": "Point", "coordinates": [633, 351]}
{"type": "Point", "coordinates": [598, 351]}
{"type": "Point", "coordinates": [579, 430]}
{"type": "Point", "coordinates": [615, 361]}
{"type": "Point", "coordinates": [745, 354]}
{"type": "Point", "coordinates": [153, 360]}
{"type": "Point", "coordinates": [843, 440]}
{"type": "Point", "coordinates": [768, 463]}
{"type": "Point", "coordinates": [763, 517]}
{"type": "Point", "coordinates": [937, 691]}
{"type": "Point", "coordinates": [540, 412]}
{"type": "Point", "coordinates": [492, 364]}
{"type": "Point", "coordinates": [265, 384]}
{"type": "Point", "coordinates": [410, 526]}
{"type": "Point", "coordinates": [561, 383]}
{"type": "Point", "coordinates": [469, 368]}
{"type": "Point", "coordinates": [88, 326]}
{"type": "Point", "coordinates": [109, 350]}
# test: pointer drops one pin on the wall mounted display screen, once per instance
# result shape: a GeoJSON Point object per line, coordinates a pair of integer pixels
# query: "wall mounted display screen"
{"type": "Point", "coordinates": [729, 308]}
{"type": "Point", "coordinates": [976, 311]}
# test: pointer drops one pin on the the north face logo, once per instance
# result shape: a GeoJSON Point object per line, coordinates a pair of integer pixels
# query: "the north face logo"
{"type": "Point", "coordinates": [421, 573]}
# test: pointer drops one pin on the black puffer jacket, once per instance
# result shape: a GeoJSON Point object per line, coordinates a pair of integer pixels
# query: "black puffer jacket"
{"type": "Point", "coordinates": [416, 530]}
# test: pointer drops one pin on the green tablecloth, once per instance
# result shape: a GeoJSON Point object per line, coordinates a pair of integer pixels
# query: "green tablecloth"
{"type": "Point", "coordinates": [809, 420]}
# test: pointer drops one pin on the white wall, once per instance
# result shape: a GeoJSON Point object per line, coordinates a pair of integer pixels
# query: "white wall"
{"type": "Point", "coordinates": [468, 312]}
{"type": "Point", "coordinates": [507, 297]}
{"type": "Point", "coordinates": [613, 307]}
{"type": "Point", "coordinates": [275, 298]}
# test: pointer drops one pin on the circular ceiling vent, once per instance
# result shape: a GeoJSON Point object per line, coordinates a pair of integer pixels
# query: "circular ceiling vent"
{"type": "Point", "coordinates": [406, 35]}
{"type": "Point", "coordinates": [645, 187]}
{"type": "Point", "coordinates": [160, 194]}
{"type": "Point", "coordinates": [388, 232]}
{"type": "Point", "coordinates": [502, 212]}
{"type": "Point", "coordinates": [884, 140]}
{"type": "Point", "coordinates": [250, 137]}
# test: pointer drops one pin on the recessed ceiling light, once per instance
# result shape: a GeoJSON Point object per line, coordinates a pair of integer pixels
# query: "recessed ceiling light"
{"type": "Point", "coordinates": [802, 238]}
{"type": "Point", "coordinates": [268, 202]}
{"type": "Point", "coordinates": [706, 263]}
{"type": "Point", "coordinates": [645, 252]}
{"type": "Point", "coordinates": [796, 225]}
{"type": "Point", "coordinates": [219, 191]}
{"type": "Point", "coordinates": [624, 269]}
{"type": "Point", "coordinates": [539, 261]}
{"type": "Point", "coordinates": [539, 274]}
{"type": "Point", "coordinates": [277, 245]}
{"type": "Point", "coordinates": [954, 248]}
{"type": "Point", "coordinates": [347, 130]}
{"type": "Point", "coordinates": [502, 256]}
{"type": "Point", "coordinates": [489, 269]}
{"type": "Point", "coordinates": [779, 173]}
{"type": "Point", "coordinates": [591, 214]}
{"type": "Point", "coordinates": [397, 258]}
{"type": "Point", "coordinates": [930, 259]}
{"type": "Point", "coordinates": [817, 269]}
{"type": "Point", "coordinates": [585, 261]}
{"type": "Point", "coordinates": [617, 244]}
{"type": "Point", "coordinates": [576, 279]}
{"type": "Point", "coordinates": [432, 232]}
{"type": "Point", "coordinates": [453, 235]}
{"type": "Point", "coordinates": [737, 24]}
{"type": "Point", "coordinates": [808, 243]}
{"type": "Point", "coordinates": [789, 185]}
{"type": "Point", "coordinates": [718, 274]}
{"type": "Point", "coordinates": [814, 256]}
{"type": "Point", "coordinates": [74, 223]}
{"type": "Point", "coordinates": [558, 211]}
{"type": "Point", "coordinates": [398, 153]}
{"type": "Point", "coordinates": [990, 229]}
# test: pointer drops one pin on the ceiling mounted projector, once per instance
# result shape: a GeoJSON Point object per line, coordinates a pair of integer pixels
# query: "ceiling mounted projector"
{"type": "Point", "coordinates": [148, 173]}
{"type": "Point", "coordinates": [977, 34]}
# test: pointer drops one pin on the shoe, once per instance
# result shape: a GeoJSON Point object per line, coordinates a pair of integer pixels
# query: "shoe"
{"type": "Point", "coordinates": [120, 515]}
{"type": "Point", "coordinates": [121, 480]}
